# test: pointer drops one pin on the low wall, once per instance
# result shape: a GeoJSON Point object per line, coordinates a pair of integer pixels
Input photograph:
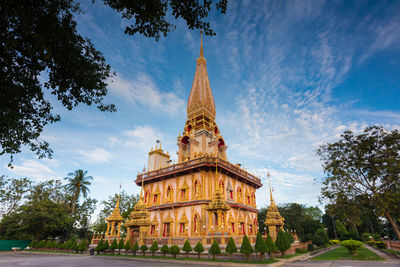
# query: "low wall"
{"type": "Point", "coordinates": [395, 245]}
{"type": "Point", "coordinates": [7, 245]}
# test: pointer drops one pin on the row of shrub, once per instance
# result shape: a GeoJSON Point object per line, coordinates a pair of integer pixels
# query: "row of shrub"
{"type": "Point", "coordinates": [71, 244]}
{"type": "Point", "coordinates": [282, 243]}
{"type": "Point", "coordinates": [376, 244]}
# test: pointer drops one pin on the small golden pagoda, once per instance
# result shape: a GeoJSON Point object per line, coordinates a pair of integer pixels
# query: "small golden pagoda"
{"type": "Point", "coordinates": [138, 223]}
{"type": "Point", "coordinates": [273, 220]}
{"type": "Point", "coordinates": [114, 222]}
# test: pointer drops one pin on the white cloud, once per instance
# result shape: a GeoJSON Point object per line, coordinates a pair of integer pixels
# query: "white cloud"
{"type": "Point", "coordinates": [33, 169]}
{"type": "Point", "coordinates": [142, 90]}
{"type": "Point", "coordinates": [97, 155]}
{"type": "Point", "coordinates": [142, 136]}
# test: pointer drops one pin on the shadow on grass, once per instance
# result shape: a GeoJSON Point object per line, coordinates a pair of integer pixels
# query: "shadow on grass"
{"type": "Point", "coordinates": [341, 253]}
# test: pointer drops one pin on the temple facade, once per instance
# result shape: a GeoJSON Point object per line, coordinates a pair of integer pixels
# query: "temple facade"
{"type": "Point", "coordinates": [203, 196]}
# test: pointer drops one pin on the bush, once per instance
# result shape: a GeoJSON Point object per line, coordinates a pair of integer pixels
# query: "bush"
{"type": "Point", "coordinates": [174, 250]}
{"type": "Point", "coordinates": [366, 236]}
{"type": "Point", "coordinates": [300, 250]}
{"type": "Point", "coordinates": [270, 245]}
{"type": "Point", "coordinates": [308, 237]}
{"type": "Point", "coordinates": [144, 248]}
{"type": "Point", "coordinates": [48, 244]}
{"type": "Point", "coordinates": [114, 245]}
{"type": "Point", "coordinates": [187, 247]}
{"type": "Point", "coordinates": [214, 249]}
{"type": "Point", "coordinates": [68, 244]}
{"type": "Point", "coordinates": [231, 247]}
{"type": "Point", "coordinates": [106, 246]}
{"type": "Point", "coordinates": [74, 246]}
{"type": "Point", "coordinates": [120, 245]}
{"type": "Point", "coordinates": [82, 246]}
{"type": "Point", "coordinates": [33, 243]}
{"type": "Point", "coordinates": [199, 248]}
{"type": "Point", "coordinates": [260, 246]}
{"type": "Point", "coordinates": [317, 240]}
{"type": "Point", "coordinates": [380, 245]}
{"type": "Point", "coordinates": [127, 247]}
{"type": "Point", "coordinates": [334, 242]}
{"type": "Point", "coordinates": [246, 248]}
{"type": "Point", "coordinates": [154, 247]}
{"type": "Point", "coordinates": [135, 248]}
{"type": "Point", "coordinates": [324, 235]}
{"type": "Point", "coordinates": [164, 249]}
{"type": "Point", "coordinates": [289, 237]}
{"type": "Point", "coordinates": [352, 246]}
{"type": "Point", "coordinates": [282, 243]}
{"type": "Point", "coordinates": [310, 247]}
{"type": "Point", "coordinates": [341, 229]}
{"type": "Point", "coordinates": [99, 246]}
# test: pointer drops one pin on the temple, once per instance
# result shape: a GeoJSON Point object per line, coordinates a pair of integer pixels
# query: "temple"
{"type": "Point", "coordinates": [203, 196]}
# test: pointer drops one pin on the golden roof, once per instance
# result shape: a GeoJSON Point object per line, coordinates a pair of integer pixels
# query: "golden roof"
{"type": "Point", "coordinates": [115, 215]}
{"type": "Point", "coordinates": [201, 100]}
{"type": "Point", "coordinates": [139, 216]}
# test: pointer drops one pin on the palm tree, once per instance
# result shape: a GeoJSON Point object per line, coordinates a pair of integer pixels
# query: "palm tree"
{"type": "Point", "coordinates": [78, 183]}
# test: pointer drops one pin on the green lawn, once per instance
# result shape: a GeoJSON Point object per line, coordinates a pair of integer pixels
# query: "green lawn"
{"type": "Point", "coordinates": [341, 253]}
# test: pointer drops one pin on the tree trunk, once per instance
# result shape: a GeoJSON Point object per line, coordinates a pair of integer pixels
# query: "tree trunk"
{"type": "Point", "coordinates": [334, 226]}
{"type": "Point", "coordinates": [394, 225]}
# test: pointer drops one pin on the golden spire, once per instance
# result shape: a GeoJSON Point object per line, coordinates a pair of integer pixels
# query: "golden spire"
{"type": "Point", "coordinates": [201, 44]}
{"type": "Point", "coordinates": [270, 191]}
{"type": "Point", "coordinates": [201, 100]}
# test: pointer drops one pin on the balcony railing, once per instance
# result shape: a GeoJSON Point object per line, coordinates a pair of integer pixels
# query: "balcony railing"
{"type": "Point", "coordinates": [195, 162]}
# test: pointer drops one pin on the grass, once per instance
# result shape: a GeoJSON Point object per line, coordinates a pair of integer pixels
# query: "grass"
{"type": "Point", "coordinates": [391, 251]}
{"type": "Point", "coordinates": [341, 253]}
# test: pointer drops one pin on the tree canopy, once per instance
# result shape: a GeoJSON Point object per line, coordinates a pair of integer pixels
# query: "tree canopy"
{"type": "Point", "coordinates": [364, 169]}
{"type": "Point", "coordinates": [43, 57]}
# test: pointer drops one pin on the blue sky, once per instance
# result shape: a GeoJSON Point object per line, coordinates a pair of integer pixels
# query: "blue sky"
{"type": "Point", "coordinates": [286, 78]}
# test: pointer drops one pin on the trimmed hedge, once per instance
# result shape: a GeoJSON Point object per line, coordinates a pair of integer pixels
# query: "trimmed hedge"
{"type": "Point", "coordinates": [352, 246]}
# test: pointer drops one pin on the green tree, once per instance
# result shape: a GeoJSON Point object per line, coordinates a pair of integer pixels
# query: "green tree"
{"type": "Point", "coordinates": [164, 249]}
{"type": "Point", "coordinates": [199, 249]}
{"type": "Point", "coordinates": [99, 246]}
{"type": "Point", "coordinates": [364, 166]}
{"type": "Point", "coordinates": [43, 214]}
{"type": "Point", "coordinates": [187, 247]}
{"type": "Point", "coordinates": [12, 192]}
{"type": "Point", "coordinates": [82, 246]}
{"type": "Point", "coordinates": [341, 229]}
{"type": "Point", "coordinates": [231, 247]}
{"type": "Point", "coordinates": [174, 250]}
{"type": "Point", "coordinates": [271, 248]}
{"type": "Point", "coordinates": [246, 248]}
{"type": "Point", "coordinates": [324, 235]}
{"type": "Point", "coordinates": [317, 240]}
{"type": "Point", "coordinates": [42, 37]}
{"type": "Point", "coordinates": [78, 183]}
{"type": "Point", "coordinates": [127, 247]}
{"type": "Point", "coordinates": [83, 216]}
{"type": "Point", "coordinates": [105, 246]}
{"type": "Point", "coordinates": [290, 237]}
{"type": "Point", "coordinates": [154, 247]}
{"type": "Point", "coordinates": [120, 245]}
{"type": "Point", "coordinates": [214, 249]}
{"type": "Point", "coordinates": [135, 248]}
{"type": "Point", "coordinates": [144, 248]}
{"type": "Point", "coordinates": [282, 243]}
{"type": "Point", "coordinates": [114, 245]}
{"type": "Point", "coordinates": [260, 246]}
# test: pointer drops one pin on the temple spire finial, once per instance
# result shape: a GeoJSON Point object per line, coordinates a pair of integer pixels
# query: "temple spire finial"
{"type": "Point", "coordinates": [201, 44]}
{"type": "Point", "coordinates": [270, 190]}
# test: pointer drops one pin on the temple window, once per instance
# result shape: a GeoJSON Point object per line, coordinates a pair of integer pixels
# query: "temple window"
{"type": "Point", "coordinates": [182, 228]}
{"type": "Point", "coordinates": [183, 194]}
{"type": "Point", "coordinates": [250, 229]}
{"type": "Point", "coordinates": [152, 229]}
{"type": "Point", "coordinates": [242, 229]}
{"type": "Point", "coordinates": [233, 227]}
{"type": "Point", "coordinates": [145, 197]}
{"type": "Point", "coordinates": [155, 199]}
{"type": "Point", "coordinates": [248, 200]}
{"type": "Point", "coordinates": [231, 194]}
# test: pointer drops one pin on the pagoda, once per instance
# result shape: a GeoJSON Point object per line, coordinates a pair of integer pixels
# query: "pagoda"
{"type": "Point", "coordinates": [203, 197]}
{"type": "Point", "coordinates": [274, 221]}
